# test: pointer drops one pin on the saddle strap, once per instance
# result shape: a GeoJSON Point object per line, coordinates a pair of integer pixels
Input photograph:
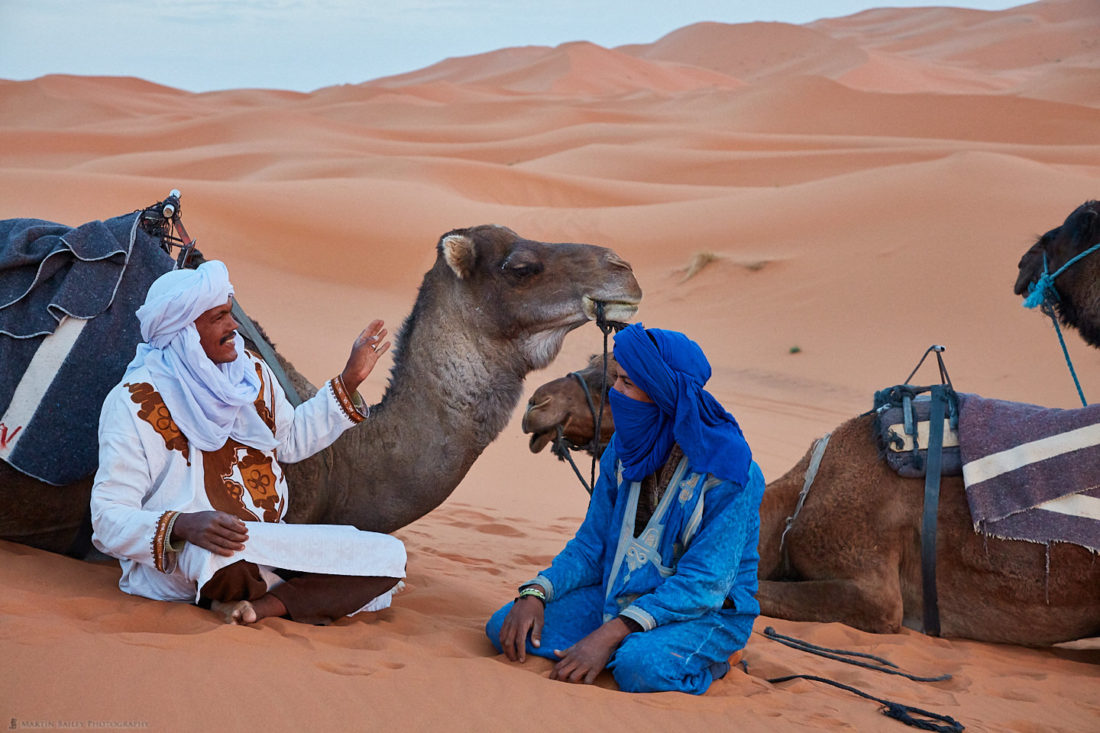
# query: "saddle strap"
{"type": "Point", "coordinates": [267, 353]}
{"type": "Point", "coordinates": [931, 510]}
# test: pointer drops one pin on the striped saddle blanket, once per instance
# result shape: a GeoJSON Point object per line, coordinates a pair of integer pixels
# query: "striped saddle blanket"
{"type": "Point", "coordinates": [67, 331]}
{"type": "Point", "coordinates": [1031, 473]}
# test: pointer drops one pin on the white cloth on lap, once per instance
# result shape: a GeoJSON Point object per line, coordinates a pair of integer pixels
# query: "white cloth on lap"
{"type": "Point", "coordinates": [310, 548]}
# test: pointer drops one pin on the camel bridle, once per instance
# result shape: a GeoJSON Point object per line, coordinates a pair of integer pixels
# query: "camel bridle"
{"type": "Point", "coordinates": [560, 445]}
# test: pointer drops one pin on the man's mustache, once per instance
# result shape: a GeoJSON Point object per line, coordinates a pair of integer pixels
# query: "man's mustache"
{"type": "Point", "coordinates": [228, 338]}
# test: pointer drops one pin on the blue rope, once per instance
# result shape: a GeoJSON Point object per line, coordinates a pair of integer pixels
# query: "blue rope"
{"type": "Point", "coordinates": [1043, 293]}
{"type": "Point", "coordinates": [1065, 352]}
{"type": "Point", "coordinates": [1039, 291]}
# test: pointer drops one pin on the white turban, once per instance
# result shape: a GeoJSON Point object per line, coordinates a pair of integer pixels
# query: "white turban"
{"type": "Point", "coordinates": [209, 402]}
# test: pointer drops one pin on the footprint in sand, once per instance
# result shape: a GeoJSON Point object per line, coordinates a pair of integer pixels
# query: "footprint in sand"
{"type": "Point", "coordinates": [468, 515]}
{"type": "Point", "coordinates": [1023, 695]}
{"type": "Point", "coordinates": [353, 669]}
{"type": "Point", "coordinates": [538, 561]}
{"type": "Point", "coordinates": [502, 530]}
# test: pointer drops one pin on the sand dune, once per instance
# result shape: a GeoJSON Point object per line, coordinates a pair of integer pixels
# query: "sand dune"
{"type": "Point", "coordinates": [862, 187]}
{"type": "Point", "coordinates": [572, 68]}
{"type": "Point", "coordinates": [755, 51]}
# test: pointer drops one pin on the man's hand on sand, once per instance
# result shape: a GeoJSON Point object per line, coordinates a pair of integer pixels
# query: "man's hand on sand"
{"type": "Point", "coordinates": [525, 617]}
{"type": "Point", "coordinates": [584, 661]}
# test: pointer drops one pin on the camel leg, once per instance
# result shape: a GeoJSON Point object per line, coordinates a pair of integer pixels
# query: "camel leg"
{"type": "Point", "coordinates": [867, 604]}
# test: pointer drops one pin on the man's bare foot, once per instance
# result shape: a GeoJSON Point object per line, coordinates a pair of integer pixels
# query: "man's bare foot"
{"type": "Point", "coordinates": [244, 613]}
{"type": "Point", "coordinates": [234, 612]}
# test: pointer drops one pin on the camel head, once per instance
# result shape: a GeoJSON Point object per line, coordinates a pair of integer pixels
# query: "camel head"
{"type": "Point", "coordinates": [530, 294]}
{"type": "Point", "coordinates": [1078, 301]}
{"type": "Point", "coordinates": [562, 403]}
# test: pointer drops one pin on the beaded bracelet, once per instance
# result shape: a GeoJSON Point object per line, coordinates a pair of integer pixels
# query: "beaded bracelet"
{"type": "Point", "coordinates": [533, 590]}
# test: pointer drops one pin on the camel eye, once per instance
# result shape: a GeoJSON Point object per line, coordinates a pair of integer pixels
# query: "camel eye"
{"type": "Point", "coordinates": [521, 270]}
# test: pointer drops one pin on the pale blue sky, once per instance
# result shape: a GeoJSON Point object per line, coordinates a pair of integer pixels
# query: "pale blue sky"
{"type": "Point", "coordinates": [203, 45]}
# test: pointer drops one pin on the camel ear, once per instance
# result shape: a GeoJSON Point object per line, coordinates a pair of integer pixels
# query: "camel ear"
{"type": "Point", "coordinates": [459, 252]}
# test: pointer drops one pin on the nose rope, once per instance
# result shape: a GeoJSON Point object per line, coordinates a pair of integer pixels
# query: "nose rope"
{"type": "Point", "coordinates": [606, 327]}
{"type": "Point", "coordinates": [1043, 294]}
{"type": "Point", "coordinates": [560, 446]}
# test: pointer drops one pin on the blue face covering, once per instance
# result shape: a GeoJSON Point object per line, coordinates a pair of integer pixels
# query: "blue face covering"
{"type": "Point", "coordinates": [643, 434]}
{"type": "Point", "coordinates": [671, 369]}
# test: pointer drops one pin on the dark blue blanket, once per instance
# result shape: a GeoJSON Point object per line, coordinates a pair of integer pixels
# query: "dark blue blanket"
{"type": "Point", "coordinates": [90, 280]}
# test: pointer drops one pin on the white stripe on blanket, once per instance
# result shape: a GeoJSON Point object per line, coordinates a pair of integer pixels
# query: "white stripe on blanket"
{"type": "Point", "coordinates": [995, 464]}
{"type": "Point", "coordinates": [1075, 505]}
{"type": "Point", "coordinates": [45, 363]}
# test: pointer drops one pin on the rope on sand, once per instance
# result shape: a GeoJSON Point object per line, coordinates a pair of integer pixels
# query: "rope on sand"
{"type": "Point", "coordinates": [911, 716]}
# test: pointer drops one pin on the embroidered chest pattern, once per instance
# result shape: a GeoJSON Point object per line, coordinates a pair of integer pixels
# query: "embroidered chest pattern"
{"type": "Point", "coordinates": [153, 411]}
{"type": "Point", "coordinates": [240, 479]}
{"type": "Point", "coordinates": [261, 404]}
{"type": "Point", "coordinates": [643, 549]}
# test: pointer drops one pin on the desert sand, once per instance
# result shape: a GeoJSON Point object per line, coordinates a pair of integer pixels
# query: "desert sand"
{"type": "Point", "coordinates": [859, 189]}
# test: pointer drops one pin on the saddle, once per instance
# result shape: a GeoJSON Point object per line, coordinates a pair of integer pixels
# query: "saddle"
{"type": "Point", "coordinates": [902, 429]}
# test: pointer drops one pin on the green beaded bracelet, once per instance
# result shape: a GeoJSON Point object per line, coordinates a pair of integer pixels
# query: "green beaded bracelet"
{"type": "Point", "coordinates": [533, 591]}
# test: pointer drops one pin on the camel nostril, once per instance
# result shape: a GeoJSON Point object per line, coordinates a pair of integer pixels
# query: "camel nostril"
{"type": "Point", "coordinates": [614, 260]}
{"type": "Point", "coordinates": [531, 406]}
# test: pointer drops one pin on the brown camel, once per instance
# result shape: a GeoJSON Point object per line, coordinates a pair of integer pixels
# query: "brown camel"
{"type": "Point", "coordinates": [561, 403]}
{"type": "Point", "coordinates": [493, 307]}
{"type": "Point", "coordinates": [854, 549]}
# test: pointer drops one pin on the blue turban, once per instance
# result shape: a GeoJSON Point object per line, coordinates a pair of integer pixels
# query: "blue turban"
{"type": "Point", "coordinates": [672, 369]}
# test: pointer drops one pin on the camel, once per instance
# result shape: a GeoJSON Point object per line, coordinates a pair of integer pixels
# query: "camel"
{"type": "Point", "coordinates": [1077, 302]}
{"type": "Point", "coordinates": [561, 403]}
{"type": "Point", "coordinates": [854, 549]}
{"type": "Point", "coordinates": [492, 308]}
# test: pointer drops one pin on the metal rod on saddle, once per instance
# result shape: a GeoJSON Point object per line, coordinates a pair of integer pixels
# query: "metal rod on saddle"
{"type": "Point", "coordinates": [164, 221]}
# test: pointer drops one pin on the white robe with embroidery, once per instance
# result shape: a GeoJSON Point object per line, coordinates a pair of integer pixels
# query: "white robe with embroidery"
{"type": "Point", "coordinates": [148, 473]}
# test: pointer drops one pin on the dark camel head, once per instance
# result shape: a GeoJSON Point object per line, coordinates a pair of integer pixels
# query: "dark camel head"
{"type": "Point", "coordinates": [510, 290]}
{"type": "Point", "coordinates": [562, 403]}
{"type": "Point", "coordinates": [1078, 301]}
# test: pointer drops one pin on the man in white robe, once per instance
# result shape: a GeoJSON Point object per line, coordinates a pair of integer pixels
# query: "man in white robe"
{"type": "Point", "coordinates": [189, 494]}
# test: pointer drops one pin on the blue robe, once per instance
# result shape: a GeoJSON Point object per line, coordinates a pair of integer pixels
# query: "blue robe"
{"type": "Point", "coordinates": [698, 550]}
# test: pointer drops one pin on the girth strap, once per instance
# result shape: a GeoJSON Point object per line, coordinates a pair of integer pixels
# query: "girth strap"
{"type": "Point", "coordinates": [808, 481]}
{"type": "Point", "coordinates": [930, 601]}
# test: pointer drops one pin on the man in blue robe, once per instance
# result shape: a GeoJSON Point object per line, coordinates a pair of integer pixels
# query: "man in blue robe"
{"type": "Point", "coordinates": [658, 584]}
